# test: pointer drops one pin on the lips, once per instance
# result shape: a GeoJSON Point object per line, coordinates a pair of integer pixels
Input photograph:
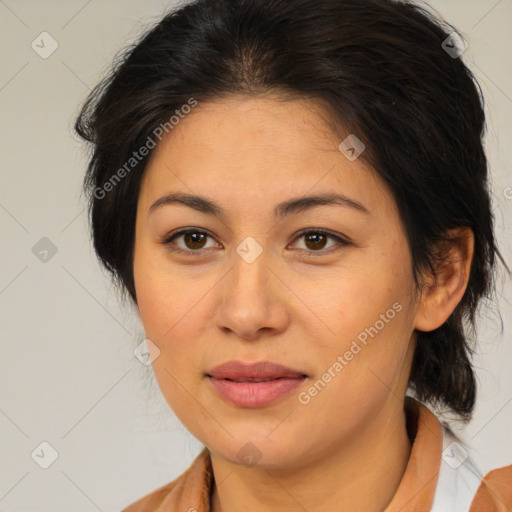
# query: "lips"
{"type": "Point", "coordinates": [262, 371]}
{"type": "Point", "coordinates": [254, 385]}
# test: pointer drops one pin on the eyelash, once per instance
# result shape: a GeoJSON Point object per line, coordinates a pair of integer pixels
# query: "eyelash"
{"type": "Point", "coordinates": [167, 241]}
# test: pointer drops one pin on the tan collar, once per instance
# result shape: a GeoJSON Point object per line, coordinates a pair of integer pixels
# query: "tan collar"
{"type": "Point", "coordinates": [418, 485]}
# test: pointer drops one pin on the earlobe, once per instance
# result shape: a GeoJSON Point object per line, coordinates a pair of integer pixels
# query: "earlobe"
{"type": "Point", "coordinates": [441, 293]}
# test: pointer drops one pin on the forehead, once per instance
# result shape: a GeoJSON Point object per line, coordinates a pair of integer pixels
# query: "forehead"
{"type": "Point", "coordinates": [291, 128]}
{"type": "Point", "coordinates": [260, 147]}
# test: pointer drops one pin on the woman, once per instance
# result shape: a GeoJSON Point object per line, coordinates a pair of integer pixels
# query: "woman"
{"type": "Point", "coordinates": [294, 194]}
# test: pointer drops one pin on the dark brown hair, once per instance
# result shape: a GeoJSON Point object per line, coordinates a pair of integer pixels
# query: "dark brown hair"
{"type": "Point", "coordinates": [383, 69]}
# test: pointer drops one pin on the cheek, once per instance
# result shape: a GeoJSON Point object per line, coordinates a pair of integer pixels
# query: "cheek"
{"type": "Point", "coordinates": [174, 313]}
{"type": "Point", "coordinates": [174, 323]}
{"type": "Point", "coordinates": [369, 312]}
{"type": "Point", "coordinates": [181, 391]}
{"type": "Point", "coordinates": [162, 297]}
{"type": "Point", "coordinates": [352, 300]}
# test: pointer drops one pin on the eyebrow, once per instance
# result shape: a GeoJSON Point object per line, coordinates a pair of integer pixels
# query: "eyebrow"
{"type": "Point", "coordinates": [289, 207]}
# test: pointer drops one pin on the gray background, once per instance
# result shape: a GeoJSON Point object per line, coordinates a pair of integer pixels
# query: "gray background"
{"type": "Point", "coordinates": [68, 375]}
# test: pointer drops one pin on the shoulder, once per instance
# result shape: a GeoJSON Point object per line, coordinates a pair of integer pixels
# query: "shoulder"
{"type": "Point", "coordinates": [152, 500]}
{"type": "Point", "coordinates": [462, 486]}
{"type": "Point", "coordinates": [190, 490]}
{"type": "Point", "coordinates": [494, 492]}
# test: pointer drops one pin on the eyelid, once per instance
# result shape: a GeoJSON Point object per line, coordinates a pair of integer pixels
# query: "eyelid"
{"type": "Point", "coordinates": [340, 239]}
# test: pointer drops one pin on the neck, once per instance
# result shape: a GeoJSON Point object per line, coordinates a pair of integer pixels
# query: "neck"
{"type": "Point", "coordinates": [359, 476]}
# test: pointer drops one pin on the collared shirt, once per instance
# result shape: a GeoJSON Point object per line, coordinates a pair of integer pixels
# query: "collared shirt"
{"type": "Point", "coordinates": [440, 476]}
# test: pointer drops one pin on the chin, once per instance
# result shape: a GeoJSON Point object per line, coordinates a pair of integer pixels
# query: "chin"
{"type": "Point", "coordinates": [257, 451]}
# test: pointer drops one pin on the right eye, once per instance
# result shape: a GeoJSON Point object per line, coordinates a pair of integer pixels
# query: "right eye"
{"type": "Point", "coordinates": [193, 241]}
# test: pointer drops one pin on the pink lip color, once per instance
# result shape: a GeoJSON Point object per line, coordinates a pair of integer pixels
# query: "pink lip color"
{"type": "Point", "coordinates": [235, 382]}
{"type": "Point", "coordinates": [255, 394]}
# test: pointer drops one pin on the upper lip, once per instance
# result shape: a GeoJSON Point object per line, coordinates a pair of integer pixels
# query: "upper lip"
{"type": "Point", "coordinates": [237, 370]}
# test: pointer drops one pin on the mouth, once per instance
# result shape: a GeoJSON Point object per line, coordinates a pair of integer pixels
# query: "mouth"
{"type": "Point", "coordinates": [254, 385]}
{"type": "Point", "coordinates": [254, 380]}
{"type": "Point", "coordinates": [242, 372]}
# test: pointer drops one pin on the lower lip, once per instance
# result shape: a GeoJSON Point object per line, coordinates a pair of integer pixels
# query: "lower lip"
{"type": "Point", "coordinates": [255, 394]}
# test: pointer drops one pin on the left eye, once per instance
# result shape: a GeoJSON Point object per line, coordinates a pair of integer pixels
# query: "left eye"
{"type": "Point", "coordinates": [195, 239]}
{"type": "Point", "coordinates": [316, 239]}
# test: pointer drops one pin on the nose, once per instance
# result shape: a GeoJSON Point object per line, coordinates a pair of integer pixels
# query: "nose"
{"type": "Point", "coordinates": [252, 298]}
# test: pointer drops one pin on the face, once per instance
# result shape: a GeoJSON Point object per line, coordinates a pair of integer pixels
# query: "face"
{"type": "Point", "coordinates": [323, 288]}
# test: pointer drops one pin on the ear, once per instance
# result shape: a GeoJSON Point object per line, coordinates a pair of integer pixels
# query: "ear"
{"type": "Point", "coordinates": [441, 293]}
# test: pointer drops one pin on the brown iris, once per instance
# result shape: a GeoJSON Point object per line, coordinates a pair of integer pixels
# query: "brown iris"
{"type": "Point", "coordinates": [194, 240]}
{"type": "Point", "coordinates": [317, 240]}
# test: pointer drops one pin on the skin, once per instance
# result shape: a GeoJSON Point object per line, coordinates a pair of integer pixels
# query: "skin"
{"type": "Point", "coordinates": [298, 304]}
